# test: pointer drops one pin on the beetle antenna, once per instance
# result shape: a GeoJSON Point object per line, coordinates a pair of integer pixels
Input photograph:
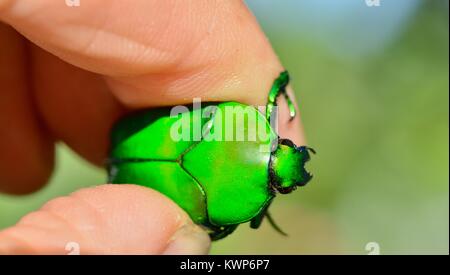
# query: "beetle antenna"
{"type": "Point", "coordinates": [274, 225]}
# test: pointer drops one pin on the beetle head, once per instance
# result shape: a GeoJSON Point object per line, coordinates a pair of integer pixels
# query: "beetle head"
{"type": "Point", "coordinates": [287, 166]}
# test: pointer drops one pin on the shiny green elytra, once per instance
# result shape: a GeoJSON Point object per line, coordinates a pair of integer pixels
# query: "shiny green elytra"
{"type": "Point", "coordinates": [220, 178]}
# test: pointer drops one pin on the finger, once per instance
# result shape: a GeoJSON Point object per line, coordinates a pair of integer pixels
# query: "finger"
{"type": "Point", "coordinates": [76, 105]}
{"type": "Point", "coordinates": [26, 157]}
{"type": "Point", "coordinates": [110, 219]}
{"type": "Point", "coordinates": [79, 108]}
{"type": "Point", "coordinates": [157, 53]}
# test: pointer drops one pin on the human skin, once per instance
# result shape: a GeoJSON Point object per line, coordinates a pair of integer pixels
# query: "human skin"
{"type": "Point", "coordinates": [67, 73]}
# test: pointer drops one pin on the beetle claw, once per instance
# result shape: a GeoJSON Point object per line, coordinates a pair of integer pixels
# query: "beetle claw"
{"type": "Point", "coordinates": [274, 225]}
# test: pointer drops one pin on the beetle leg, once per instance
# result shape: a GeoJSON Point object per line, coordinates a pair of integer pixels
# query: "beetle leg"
{"type": "Point", "coordinates": [279, 88]}
{"type": "Point", "coordinates": [222, 232]}
{"type": "Point", "coordinates": [291, 106]}
{"type": "Point", "coordinates": [256, 221]}
{"type": "Point", "coordinates": [274, 225]}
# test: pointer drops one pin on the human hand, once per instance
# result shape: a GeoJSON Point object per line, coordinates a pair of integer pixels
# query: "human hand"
{"type": "Point", "coordinates": [67, 74]}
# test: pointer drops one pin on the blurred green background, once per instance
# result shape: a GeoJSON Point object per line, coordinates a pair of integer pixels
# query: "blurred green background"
{"type": "Point", "coordinates": [373, 87]}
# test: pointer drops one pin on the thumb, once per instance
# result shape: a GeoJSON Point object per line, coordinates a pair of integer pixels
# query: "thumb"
{"type": "Point", "coordinates": [109, 219]}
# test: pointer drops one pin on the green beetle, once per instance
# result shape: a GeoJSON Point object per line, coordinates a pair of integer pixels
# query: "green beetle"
{"type": "Point", "coordinates": [220, 179]}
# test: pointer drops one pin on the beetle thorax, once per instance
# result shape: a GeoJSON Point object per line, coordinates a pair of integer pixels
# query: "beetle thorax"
{"type": "Point", "coordinates": [287, 167]}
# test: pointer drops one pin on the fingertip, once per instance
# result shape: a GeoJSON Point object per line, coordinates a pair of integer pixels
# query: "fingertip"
{"type": "Point", "coordinates": [188, 239]}
{"type": "Point", "coordinates": [108, 219]}
{"type": "Point", "coordinates": [134, 219]}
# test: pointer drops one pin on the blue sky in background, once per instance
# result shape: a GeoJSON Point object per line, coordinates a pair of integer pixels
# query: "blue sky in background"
{"type": "Point", "coordinates": [347, 27]}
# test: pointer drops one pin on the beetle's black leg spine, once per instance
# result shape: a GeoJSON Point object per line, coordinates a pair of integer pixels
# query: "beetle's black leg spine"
{"type": "Point", "coordinates": [274, 225]}
{"type": "Point", "coordinates": [220, 233]}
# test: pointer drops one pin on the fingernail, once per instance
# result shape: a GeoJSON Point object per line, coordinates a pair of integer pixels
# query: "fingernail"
{"type": "Point", "coordinates": [189, 239]}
